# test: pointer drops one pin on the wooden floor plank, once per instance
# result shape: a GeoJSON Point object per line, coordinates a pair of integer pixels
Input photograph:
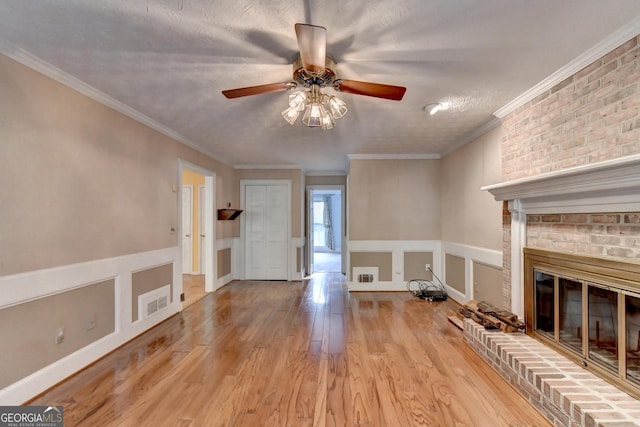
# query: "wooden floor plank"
{"type": "Point", "coordinates": [295, 354]}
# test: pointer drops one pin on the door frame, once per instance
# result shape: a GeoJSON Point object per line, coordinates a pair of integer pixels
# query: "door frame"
{"type": "Point", "coordinates": [184, 187]}
{"type": "Point", "coordinates": [209, 224]}
{"type": "Point", "coordinates": [343, 231]}
{"type": "Point", "coordinates": [243, 233]}
{"type": "Point", "coordinates": [201, 231]}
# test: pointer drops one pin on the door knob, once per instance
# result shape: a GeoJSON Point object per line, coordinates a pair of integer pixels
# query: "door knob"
{"type": "Point", "coordinates": [187, 235]}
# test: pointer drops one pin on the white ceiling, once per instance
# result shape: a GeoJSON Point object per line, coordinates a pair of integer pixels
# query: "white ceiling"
{"type": "Point", "coordinates": [165, 62]}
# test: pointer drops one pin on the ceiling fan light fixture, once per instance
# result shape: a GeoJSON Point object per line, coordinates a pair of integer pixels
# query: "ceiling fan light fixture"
{"type": "Point", "coordinates": [313, 70]}
{"type": "Point", "coordinates": [313, 102]}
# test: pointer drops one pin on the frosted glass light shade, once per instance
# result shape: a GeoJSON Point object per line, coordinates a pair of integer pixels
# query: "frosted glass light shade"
{"type": "Point", "coordinates": [298, 99]}
{"type": "Point", "coordinates": [313, 114]}
{"type": "Point", "coordinates": [337, 107]}
{"type": "Point", "coordinates": [327, 121]}
{"type": "Point", "coordinates": [291, 114]}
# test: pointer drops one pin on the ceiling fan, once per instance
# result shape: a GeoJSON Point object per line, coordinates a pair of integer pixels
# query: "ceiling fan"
{"type": "Point", "coordinates": [313, 70]}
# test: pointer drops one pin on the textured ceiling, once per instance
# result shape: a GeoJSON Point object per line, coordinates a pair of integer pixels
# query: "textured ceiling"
{"type": "Point", "coordinates": [166, 62]}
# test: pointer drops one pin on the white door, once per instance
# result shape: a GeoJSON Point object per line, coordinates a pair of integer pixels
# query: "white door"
{"type": "Point", "coordinates": [266, 232]}
{"type": "Point", "coordinates": [277, 244]}
{"type": "Point", "coordinates": [187, 229]}
{"type": "Point", "coordinates": [201, 221]}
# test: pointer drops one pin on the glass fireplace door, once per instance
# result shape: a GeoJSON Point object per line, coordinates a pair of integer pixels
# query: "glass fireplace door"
{"type": "Point", "coordinates": [588, 311]}
{"type": "Point", "coordinates": [632, 321]}
{"type": "Point", "coordinates": [603, 327]}
{"type": "Point", "coordinates": [570, 313]}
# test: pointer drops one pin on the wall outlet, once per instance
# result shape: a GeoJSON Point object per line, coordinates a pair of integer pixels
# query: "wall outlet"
{"type": "Point", "coordinates": [59, 337]}
{"type": "Point", "coordinates": [427, 267]}
{"type": "Point", "coordinates": [89, 323]}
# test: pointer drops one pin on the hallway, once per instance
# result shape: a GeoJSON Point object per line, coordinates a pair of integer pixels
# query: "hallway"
{"type": "Point", "coordinates": [295, 354]}
{"type": "Point", "coordinates": [327, 262]}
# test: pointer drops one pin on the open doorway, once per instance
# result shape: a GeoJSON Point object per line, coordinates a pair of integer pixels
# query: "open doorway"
{"type": "Point", "coordinates": [325, 228]}
{"type": "Point", "coordinates": [197, 231]}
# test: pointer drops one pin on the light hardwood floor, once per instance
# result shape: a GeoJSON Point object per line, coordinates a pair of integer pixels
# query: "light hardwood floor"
{"type": "Point", "coordinates": [193, 288]}
{"type": "Point", "coordinates": [295, 354]}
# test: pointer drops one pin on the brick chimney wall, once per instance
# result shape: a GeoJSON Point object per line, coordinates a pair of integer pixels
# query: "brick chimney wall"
{"type": "Point", "coordinates": [589, 117]}
{"type": "Point", "coordinates": [612, 235]}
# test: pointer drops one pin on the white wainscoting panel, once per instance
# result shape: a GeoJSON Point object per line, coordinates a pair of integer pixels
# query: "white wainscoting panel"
{"type": "Point", "coordinates": [29, 286]}
{"type": "Point", "coordinates": [397, 249]}
{"type": "Point", "coordinates": [470, 254]}
{"type": "Point", "coordinates": [227, 243]}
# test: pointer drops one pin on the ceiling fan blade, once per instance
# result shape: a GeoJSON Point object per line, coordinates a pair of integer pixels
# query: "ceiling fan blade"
{"type": "Point", "coordinates": [371, 89]}
{"type": "Point", "coordinates": [312, 42]}
{"type": "Point", "coordinates": [256, 90]}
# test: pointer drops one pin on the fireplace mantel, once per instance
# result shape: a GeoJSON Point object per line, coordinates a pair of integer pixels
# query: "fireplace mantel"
{"type": "Point", "coordinates": [608, 186]}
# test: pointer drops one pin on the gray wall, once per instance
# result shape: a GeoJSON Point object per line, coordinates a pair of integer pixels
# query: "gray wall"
{"type": "Point", "coordinates": [81, 181]}
{"type": "Point", "coordinates": [394, 200]}
{"type": "Point", "coordinates": [487, 283]}
{"type": "Point", "coordinates": [471, 216]}
{"type": "Point", "coordinates": [455, 270]}
{"type": "Point", "coordinates": [415, 265]}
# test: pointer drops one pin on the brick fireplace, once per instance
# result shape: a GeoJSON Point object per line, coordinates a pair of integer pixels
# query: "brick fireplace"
{"type": "Point", "coordinates": [590, 211]}
{"type": "Point", "coordinates": [585, 211]}
{"type": "Point", "coordinates": [571, 171]}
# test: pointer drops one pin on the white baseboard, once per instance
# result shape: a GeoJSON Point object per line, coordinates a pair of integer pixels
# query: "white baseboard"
{"type": "Point", "coordinates": [456, 295]}
{"type": "Point", "coordinates": [377, 287]}
{"type": "Point", "coordinates": [221, 281]}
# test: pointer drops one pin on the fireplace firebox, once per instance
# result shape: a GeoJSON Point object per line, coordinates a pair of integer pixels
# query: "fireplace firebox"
{"type": "Point", "coordinates": [588, 309]}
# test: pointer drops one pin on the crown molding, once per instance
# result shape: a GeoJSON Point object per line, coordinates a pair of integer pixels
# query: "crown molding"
{"type": "Point", "coordinates": [325, 173]}
{"type": "Point", "coordinates": [472, 136]}
{"type": "Point", "coordinates": [416, 156]}
{"type": "Point", "coordinates": [268, 167]}
{"type": "Point", "coordinates": [29, 60]}
{"type": "Point", "coordinates": [613, 41]}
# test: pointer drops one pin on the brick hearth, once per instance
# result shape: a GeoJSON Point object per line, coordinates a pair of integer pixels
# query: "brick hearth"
{"type": "Point", "coordinates": [564, 392]}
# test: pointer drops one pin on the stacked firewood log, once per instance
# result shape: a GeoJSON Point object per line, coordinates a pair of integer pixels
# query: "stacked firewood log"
{"type": "Point", "coordinates": [491, 317]}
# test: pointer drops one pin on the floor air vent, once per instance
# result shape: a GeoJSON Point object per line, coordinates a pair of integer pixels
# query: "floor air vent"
{"type": "Point", "coordinates": [365, 278]}
{"type": "Point", "coordinates": [153, 302]}
{"type": "Point", "coordinates": [365, 275]}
